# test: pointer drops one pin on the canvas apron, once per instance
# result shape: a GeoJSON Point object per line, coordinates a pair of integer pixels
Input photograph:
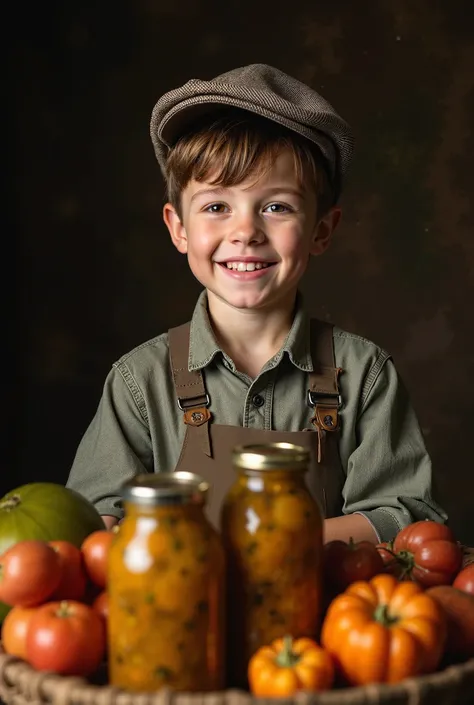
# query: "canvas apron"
{"type": "Point", "coordinates": [207, 446]}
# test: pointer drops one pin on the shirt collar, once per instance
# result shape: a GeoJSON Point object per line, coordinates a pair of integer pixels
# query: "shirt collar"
{"type": "Point", "coordinates": [204, 346]}
{"type": "Point", "coordinates": [297, 343]}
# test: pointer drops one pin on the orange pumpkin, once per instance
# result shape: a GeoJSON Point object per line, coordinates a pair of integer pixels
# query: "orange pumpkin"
{"type": "Point", "coordinates": [384, 630]}
{"type": "Point", "coordinates": [285, 667]}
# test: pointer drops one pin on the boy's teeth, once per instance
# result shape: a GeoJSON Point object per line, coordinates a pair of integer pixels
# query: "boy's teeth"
{"type": "Point", "coordinates": [246, 266]}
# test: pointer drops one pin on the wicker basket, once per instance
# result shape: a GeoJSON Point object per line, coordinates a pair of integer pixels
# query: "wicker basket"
{"type": "Point", "coordinates": [22, 685]}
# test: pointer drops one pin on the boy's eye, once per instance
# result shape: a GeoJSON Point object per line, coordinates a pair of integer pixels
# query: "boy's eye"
{"type": "Point", "coordinates": [215, 208]}
{"type": "Point", "coordinates": [277, 208]}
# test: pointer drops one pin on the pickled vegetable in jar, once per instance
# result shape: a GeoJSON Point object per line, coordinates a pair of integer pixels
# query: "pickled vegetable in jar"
{"type": "Point", "coordinates": [272, 534]}
{"type": "Point", "coordinates": [166, 588]}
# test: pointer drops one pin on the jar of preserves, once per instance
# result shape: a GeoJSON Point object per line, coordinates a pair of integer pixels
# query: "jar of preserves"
{"type": "Point", "coordinates": [166, 588]}
{"type": "Point", "coordinates": [272, 533]}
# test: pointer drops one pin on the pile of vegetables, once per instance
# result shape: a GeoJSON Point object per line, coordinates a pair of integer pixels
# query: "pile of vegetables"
{"type": "Point", "coordinates": [393, 611]}
{"type": "Point", "coordinates": [53, 563]}
{"type": "Point", "coordinates": [45, 511]}
{"type": "Point", "coordinates": [58, 603]}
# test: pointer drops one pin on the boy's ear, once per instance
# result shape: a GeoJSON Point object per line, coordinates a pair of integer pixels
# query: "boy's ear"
{"type": "Point", "coordinates": [324, 230]}
{"type": "Point", "coordinates": [176, 228]}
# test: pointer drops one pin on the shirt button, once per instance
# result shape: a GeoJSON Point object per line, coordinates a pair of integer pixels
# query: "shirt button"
{"type": "Point", "coordinates": [258, 400]}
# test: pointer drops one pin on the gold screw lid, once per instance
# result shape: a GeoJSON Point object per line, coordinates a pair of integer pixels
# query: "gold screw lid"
{"type": "Point", "coordinates": [271, 456]}
{"type": "Point", "coordinates": [166, 488]}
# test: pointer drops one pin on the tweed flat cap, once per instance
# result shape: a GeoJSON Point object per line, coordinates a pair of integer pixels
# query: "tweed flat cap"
{"type": "Point", "coordinates": [263, 90]}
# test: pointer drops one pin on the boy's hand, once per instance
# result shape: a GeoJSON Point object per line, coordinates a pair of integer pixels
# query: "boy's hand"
{"type": "Point", "coordinates": [109, 521]}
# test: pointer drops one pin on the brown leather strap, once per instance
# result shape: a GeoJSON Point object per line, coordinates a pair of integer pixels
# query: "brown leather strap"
{"type": "Point", "coordinates": [193, 400]}
{"type": "Point", "coordinates": [191, 394]}
{"type": "Point", "coordinates": [323, 393]}
{"type": "Point", "coordinates": [189, 384]}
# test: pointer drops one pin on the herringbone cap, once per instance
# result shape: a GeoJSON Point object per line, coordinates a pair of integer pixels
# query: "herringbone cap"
{"type": "Point", "coordinates": [263, 90]}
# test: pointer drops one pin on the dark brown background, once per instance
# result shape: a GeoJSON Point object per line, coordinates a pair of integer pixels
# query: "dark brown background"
{"type": "Point", "coordinates": [94, 271]}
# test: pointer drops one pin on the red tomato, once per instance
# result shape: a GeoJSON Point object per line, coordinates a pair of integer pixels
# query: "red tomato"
{"type": "Point", "coordinates": [464, 580]}
{"type": "Point", "coordinates": [14, 630]}
{"type": "Point", "coordinates": [72, 585]}
{"type": "Point", "coordinates": [29, 573]}
{"type": "Point", "coordinates": [414, 535]}
{"type": "Point", "coordinates": [101, 604]}
{"type": "Point", "coordinates": [436, 562]}
{"type": "Point", "coordinates": [95, 550]}
{"type": "Point", "coordinates": [67, 638]}
{"type": "Point", "coordinates": [428, 552]}
{"type": "Point", "coordinates": [344, 563]}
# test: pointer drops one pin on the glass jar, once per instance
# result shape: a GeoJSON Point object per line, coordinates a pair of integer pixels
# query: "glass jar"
{"type": "Point", "coordinates": [272, 533]}
{"type": "Point", "coordinates": [166, 588]}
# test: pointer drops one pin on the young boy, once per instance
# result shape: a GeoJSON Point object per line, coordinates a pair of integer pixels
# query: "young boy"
{"type": "Point", "coordinates": [254, 162]}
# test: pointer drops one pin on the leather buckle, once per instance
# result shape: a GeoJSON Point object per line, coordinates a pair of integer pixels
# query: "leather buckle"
{"type": "Point", "coordinates": [196, 416]}
{"type": "Point", "coordinates": [326, 407]}
{"type": "Point", "coordinates": [326, 418]}
{"type": "Point", "coordinates": [185, 404]}
{"type": "Point", "coordinates": [314, 398]}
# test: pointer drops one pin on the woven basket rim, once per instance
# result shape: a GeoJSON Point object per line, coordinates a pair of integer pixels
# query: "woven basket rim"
{"type": "Point", "coordinates": [19, 679]}
{"type": "Point", "coordinates": [20, 684]}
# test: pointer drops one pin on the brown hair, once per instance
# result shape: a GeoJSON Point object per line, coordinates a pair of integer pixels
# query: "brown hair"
{"type": "Point", "coordinates": [233, 145]}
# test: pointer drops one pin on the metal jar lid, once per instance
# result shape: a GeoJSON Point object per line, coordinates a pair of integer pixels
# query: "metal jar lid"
{"type": "Point", "coordinates": [166, 488]}
{"type": "Point", "coordinates": [271, 456]}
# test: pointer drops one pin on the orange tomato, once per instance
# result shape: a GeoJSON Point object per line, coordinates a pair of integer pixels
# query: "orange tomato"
{"type": "Point", "coordinates": [67, 638]}
{"type": "Point", "coordinates": [30, 571]}
{"type": "Point", "coordinates": [73, 581]}
{"type": "Point", "coordinates": [285, 667]}
{"type": "Point", "coordinates": [384, 630]}
{"type": "Point", "coordinates": [95, 550]}
{"type": "Point", "coordinates": [14, 630]}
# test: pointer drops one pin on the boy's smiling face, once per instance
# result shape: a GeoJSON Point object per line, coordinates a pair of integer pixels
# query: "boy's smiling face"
{"type": "Point", "coordinates": [249, 244]}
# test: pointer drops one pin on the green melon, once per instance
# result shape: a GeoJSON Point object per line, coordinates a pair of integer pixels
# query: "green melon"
{"type": "Point", "coordinates": [48, 512]}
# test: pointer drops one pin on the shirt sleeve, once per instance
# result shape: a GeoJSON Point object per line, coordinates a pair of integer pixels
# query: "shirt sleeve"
{"type": "Point", "coordinates": [115, 447]}
{"type": "Point", "coordinates": [389, 474]}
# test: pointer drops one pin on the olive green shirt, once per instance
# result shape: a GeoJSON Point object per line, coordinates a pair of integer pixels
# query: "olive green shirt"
{"type": "Point", "coordinates": [138, 426]}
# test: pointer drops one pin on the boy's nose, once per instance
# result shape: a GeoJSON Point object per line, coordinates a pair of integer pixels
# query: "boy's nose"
{"type": "Point", "coordinates": [247, 231]}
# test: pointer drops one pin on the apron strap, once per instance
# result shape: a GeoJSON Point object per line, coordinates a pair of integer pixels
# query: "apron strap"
{"type": "Point", "coordinates": [193, 400]}
{"type": "Point", "coordinates": [191, 394]}
{"type": "Point", "coordinates": [323, 393]}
